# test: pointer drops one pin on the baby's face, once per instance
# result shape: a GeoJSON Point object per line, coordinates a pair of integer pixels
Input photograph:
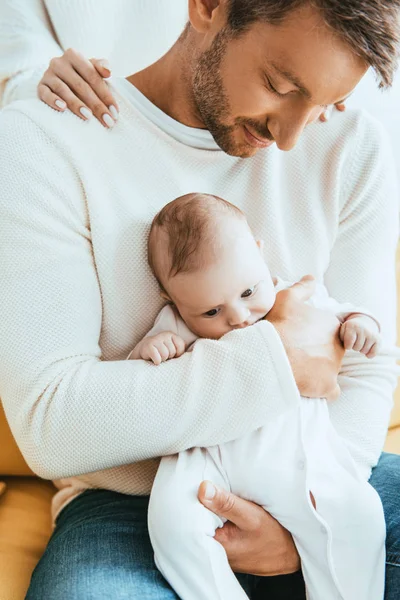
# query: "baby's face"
{"type": "Point", "coordinates": [234, 292]}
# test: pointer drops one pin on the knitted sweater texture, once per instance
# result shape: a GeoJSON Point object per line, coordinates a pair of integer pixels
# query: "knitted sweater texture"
{"type": "Point", "coordinates": [76, 202]}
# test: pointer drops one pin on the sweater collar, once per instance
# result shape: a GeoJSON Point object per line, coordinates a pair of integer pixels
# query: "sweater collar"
{"type": "Point", "coordinates": [197, 138]}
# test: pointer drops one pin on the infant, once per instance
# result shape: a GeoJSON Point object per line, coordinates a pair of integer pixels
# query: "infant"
{"type": "Point", "coordinates": [212, 274]}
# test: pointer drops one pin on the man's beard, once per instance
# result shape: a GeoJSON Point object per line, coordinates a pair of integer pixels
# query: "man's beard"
{"type": "Point", "coordinates": [212, 102]}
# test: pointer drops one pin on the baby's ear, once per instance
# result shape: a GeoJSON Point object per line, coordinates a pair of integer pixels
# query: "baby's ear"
{"type": "Point", "coordinates": [260, 244]}
{"type": "Point", "coordinates": [165, 296]}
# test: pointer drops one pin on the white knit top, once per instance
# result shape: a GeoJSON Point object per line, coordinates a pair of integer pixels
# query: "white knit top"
{"type": "Point", "coordinates": [76, 202]}
{"type": "Point", "coordinates": [131, 34]}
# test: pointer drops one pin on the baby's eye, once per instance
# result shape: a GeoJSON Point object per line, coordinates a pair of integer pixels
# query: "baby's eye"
{"type": "Point", "coordinates": [212, 313]}
{"type": "Point", "coordinates": [248, 293]}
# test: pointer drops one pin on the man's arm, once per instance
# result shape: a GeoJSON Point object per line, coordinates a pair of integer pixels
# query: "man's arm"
{"type": "Point", "coordinates": [70, 412]}
{"type": "Point", "coordinates": [362, 271]}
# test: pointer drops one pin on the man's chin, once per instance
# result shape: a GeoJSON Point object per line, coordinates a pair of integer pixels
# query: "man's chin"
{"type": "Point", "coordinates": [239, 150]}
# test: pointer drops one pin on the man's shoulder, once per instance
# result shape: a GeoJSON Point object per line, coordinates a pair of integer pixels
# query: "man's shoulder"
{"type": "Point", "coordinates": [346, 128]}
{"type": "Point", "coordinates": [328, 147]}
{"type": "Point", "coordinates": [33, 124]}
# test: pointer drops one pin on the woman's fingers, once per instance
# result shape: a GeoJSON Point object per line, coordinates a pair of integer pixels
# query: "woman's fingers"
{"type": "Point", "coordinates": [80, 84]}
{"type": "Point", "coordinates": [341, 106]}
{"type": "Point", "coordinates": [327, 112]}
{"type": "Point", "coordinates": [46, 95]}
{"type": "Point", "coordinates": [59, 89]}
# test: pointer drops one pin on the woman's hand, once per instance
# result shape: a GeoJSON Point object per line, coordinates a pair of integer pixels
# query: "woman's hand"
{"type": "Point", "coordinates": [254, 542]}
{"type": "Point", "coordinates": [324, 116]}
{"type": "Point", "coordinates": [74, 82]}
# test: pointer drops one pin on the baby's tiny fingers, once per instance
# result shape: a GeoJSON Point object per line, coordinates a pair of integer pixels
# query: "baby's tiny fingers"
{"type": "Point", "coordinates": [48, 97]}
{"type": "Point", "coordinates": [155, 355]}
{"type": "Point", "coordinates": [359, 343]}
{"type": "Point", "coordinates": [349, 338]}
{"type": "Point", "coordinates": [341, 106]}
{"type": "Point", "coordinates": [163, 351]}
{"type": "Point", "coordinates": [168, 343]}
{"type": "Point", "coordinates": [179, 345]}
{"type": "Point", "coordinates": [367, 346]}
{"type": "Point", "coordinates": [373, 351]}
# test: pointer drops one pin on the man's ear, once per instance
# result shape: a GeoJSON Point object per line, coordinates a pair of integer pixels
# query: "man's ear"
{"type": "Point", "coordinates": [202, 13]}
{"type": "Point", "coordinates": [260, 244]}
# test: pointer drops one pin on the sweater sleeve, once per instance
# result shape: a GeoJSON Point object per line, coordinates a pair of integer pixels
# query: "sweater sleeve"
{"type": "Point", "coordinates": [70, 411]}
{"type": "Point", "coordinates": [27, 45]}
{"type": "Point", "coordinates": [362, 271]}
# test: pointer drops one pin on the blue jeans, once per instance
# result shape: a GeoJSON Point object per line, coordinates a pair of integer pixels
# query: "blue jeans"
{"type": "Point", "coordinates": [100, 549]}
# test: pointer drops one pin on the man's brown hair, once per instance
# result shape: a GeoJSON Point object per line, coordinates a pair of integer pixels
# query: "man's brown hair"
{"type": "Point", "coordinates": [183, 228]}
{"type": "Point", "coordinates": [371, 28]}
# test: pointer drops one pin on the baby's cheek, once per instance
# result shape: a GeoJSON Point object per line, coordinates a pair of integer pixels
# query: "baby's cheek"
{"type": "Point", "coordinates": [207, 328]}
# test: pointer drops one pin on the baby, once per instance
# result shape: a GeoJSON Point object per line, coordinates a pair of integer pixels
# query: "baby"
{"type": "Point", "coordinates": [212, 273]}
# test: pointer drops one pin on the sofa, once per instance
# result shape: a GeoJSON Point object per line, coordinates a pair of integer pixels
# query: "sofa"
{"type": "Point", "coordinates": [25, 524]}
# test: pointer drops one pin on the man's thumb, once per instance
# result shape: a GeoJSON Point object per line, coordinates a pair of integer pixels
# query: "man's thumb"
{"type": "Point", "coordinates": [304, 288]}
{"type": "Point", "coordinates": [224, 503]}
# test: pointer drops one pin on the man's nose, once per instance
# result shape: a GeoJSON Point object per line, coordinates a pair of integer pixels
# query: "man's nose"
{"type": "Point", "coordinates": [238, 316]}
{"type": "Point", "coordinates": [289, 125]}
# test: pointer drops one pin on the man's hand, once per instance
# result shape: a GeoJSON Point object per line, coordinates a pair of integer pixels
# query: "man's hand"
{"type": "Point", "coordinates": [254, 542]}
{"type": "Point", "coordinates": [311, 340]}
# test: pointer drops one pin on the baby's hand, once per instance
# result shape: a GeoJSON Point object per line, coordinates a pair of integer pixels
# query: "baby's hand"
{"type": "Point", "coordinates": [361, 335]}
{"type": "Point", "coordinates": [161, 347]}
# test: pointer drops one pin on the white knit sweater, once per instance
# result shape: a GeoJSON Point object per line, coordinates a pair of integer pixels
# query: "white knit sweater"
{"type": "Point", "coordinates": [76, 201]}
{"type": "Point", "coordinates": [131, 34]}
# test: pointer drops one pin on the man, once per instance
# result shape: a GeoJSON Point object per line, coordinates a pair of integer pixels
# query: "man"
{"type": "Point", "coordinates": [75, 206]}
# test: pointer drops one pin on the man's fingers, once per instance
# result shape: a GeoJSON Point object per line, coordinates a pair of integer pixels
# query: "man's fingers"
{"type": "Point", "coordinates": [304, 288]}
{"type": "Point", "coordinates": [245, 515]}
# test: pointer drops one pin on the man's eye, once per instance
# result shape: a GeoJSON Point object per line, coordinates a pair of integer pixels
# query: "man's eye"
{"type": "Point", "coordinates": [272, 88]}
{"type": "Point", "coordinates": [248, 293]}
{"type": "Point", "coordinates": [212, 313]}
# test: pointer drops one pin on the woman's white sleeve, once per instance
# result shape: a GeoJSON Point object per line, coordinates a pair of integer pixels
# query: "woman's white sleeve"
{"type": "Point", "coordinates": [27, 44]}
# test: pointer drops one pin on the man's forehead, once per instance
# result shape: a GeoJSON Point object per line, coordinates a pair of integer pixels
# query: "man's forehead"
{"type": "Point", "coordinates": [308, 53]}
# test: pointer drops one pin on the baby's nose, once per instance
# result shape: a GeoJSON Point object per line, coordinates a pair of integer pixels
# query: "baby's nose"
{"type": "Point", "coordinates": [239, 317]}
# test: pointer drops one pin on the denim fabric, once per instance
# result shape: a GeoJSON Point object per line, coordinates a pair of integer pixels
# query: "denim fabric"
{"type": "Point", "coordinates": [385, 479]}
{"type": "Point", "coordinates": [100, 549]}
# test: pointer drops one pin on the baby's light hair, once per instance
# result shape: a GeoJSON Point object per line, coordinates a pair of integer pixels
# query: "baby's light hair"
{"type": "Point", "coordinates": [183, 228]}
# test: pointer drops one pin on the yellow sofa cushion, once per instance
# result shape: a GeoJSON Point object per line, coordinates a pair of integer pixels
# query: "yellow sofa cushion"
{"type": "Point", "coordinates": [25, 528]}
{"type": "Point", "coordinates": [11, 460]}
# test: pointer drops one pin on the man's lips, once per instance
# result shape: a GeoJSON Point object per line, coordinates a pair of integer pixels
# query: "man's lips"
{"type": "Point", "coordinates": [255, 141]}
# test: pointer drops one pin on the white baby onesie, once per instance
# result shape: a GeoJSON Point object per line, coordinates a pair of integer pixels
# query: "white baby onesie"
{"type": "Point", "coordinates": [341, 543]}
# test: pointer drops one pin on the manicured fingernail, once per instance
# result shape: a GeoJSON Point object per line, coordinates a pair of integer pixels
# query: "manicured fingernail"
{"type": "Point", "coordinates": [105, 64]}
{"type": "Point", "coordinates": [60, 103]}
{"type": "Point", "coordinates": [326, 115]}
{"type": "Point", "coordinates": [113, 111]}
{"type": "Point", "coordinates": [85, 112]}
{"type": "Point", "coordinates": [108, 120]}
{"type": "Point", "coordinates": [210, 491]}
